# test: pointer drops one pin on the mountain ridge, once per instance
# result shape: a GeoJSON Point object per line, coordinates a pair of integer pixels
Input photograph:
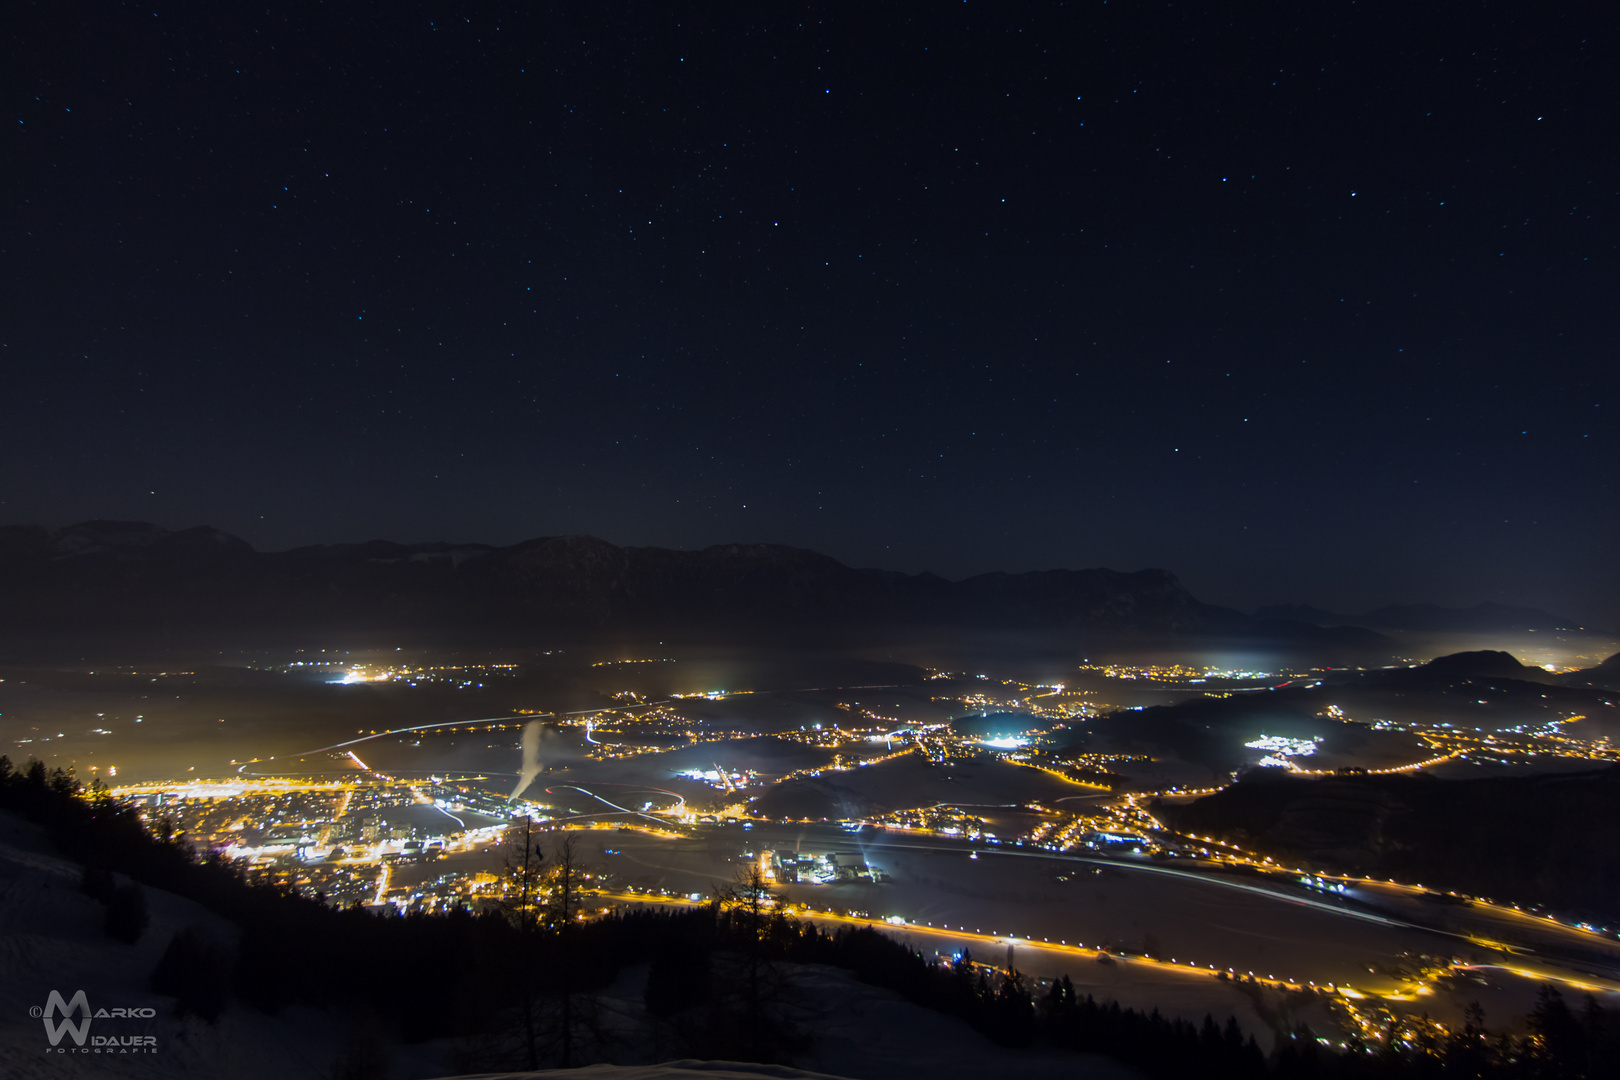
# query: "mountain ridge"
{"type": "Point", "coordinates": [121, 574]}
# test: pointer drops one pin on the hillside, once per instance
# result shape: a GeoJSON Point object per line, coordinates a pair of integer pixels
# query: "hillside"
{"type": "Point", "coordinates": [1606, 675]}
{"type": "Point", "coordinates": [53, 941]}
{"type": "Point", "coordinates": [1543, 839]}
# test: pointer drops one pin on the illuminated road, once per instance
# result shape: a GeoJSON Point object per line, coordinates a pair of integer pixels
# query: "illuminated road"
{"type": "Point", "coordinates": [1542, 962]}
{"type": "Point", "coordinates": [1207, 878]}
{"type": "Point", "coordinates": [978, 939]}
{"type": "Point", "coordinates": [406, 731]}
{"type": "Point", "coordinates": [616, 806]}
{"type": "Point", "coordinates": [424, 800]}
{"type": "Point", "coordinates": [957, 935]}
{"type": "Point", "coordinates": [1521, 954]}
{"type": "Point", "coordinates": [525, 717]}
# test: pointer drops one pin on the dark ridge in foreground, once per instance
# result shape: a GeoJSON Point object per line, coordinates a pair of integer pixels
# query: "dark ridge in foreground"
{"type": "Point", "coordinates": [1605, 675]}
{"type": "Point", "coordinates": [111, 575]}
{"type": "Point", "coordinates": [1534, 840]}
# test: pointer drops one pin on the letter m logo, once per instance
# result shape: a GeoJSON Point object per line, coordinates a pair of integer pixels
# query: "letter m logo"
{"type": "Point", "coordinates": [80, 1030]}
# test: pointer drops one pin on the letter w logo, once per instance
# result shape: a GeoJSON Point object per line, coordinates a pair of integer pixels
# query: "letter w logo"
{"type": "Point", "coordinates": [55, 1004]}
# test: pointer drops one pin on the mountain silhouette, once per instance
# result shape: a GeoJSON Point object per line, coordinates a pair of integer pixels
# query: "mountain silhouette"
{"type": "Point", "coordinates": [115, 576]}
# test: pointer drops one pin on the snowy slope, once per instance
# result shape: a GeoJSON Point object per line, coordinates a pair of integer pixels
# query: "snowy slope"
{"type": "Point", "coordinates": [51, 939]}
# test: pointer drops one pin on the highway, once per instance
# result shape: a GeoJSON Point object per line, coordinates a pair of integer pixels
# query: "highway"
{"type": "Point", "coordinates": [1520, 952]}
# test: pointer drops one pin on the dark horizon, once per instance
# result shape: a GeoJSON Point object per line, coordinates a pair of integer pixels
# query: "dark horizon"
{"type": "Point", "coordinates": [1349, 614]}
{"type": "Point", "coordinates": [1304, 306]}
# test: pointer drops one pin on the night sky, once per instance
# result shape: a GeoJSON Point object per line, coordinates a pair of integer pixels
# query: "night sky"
{"type": "Point", "coordinates": [1316, 306]}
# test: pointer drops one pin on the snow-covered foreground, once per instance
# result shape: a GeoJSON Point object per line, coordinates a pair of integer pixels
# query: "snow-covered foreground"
{"type": "Point", "coordinates": [51, 939]}
{"type": "Point", "coordinates": [858, 1032]}
{"type": "Point", "coordinates": [1211, 921]}
{"type": "Point", "coordinates": [1034, 899]}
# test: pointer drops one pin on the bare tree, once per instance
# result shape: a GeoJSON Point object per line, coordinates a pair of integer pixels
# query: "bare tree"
{"type": "Point", "coordinates": [524, 877]}
{"type": "Point", "coordinates": [564, 882]}
{"type": "Point", "coordinates": [572, 1018]}
{"type": "Point", "coordinates": [749, 902]}
{"type": "Point", "coordinates": [755, 914]}
{"type": "Point", "coordinates": [564, 906]}
{"type": "Point", "coordinates": [543, 899]}
{"type": "Point", "coordinates": [522, 903]}
{"type": "Point", "coordinates": [750, 898]}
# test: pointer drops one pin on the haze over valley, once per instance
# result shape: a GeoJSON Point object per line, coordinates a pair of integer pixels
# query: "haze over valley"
{"type": "Point", "coordinates": [1177, 806]}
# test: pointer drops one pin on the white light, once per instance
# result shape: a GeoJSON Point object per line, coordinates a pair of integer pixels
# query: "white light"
{"type": "Point", "coordinates": [1281, 744]}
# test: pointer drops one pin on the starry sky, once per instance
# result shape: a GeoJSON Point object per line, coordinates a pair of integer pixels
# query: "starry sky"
{"type": "Point", "coordinates": [1317, 305]}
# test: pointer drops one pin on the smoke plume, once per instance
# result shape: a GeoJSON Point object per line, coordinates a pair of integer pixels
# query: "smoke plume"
{"type": "Point", "coordinates": [531, 758]}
